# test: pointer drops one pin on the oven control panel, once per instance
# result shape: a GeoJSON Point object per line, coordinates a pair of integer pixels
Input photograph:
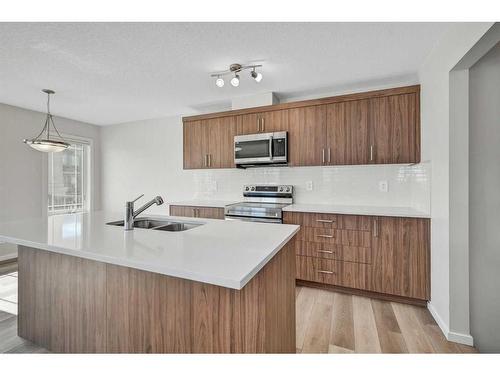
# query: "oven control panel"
{"type": "Point", "coordinates": [268, 190]}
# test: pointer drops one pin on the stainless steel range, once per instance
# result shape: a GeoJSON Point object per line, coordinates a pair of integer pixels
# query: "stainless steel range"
{"type": "Point", "coordinates": [262, 203]}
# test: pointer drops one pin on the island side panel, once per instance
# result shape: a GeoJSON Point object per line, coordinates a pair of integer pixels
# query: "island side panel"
{"type": "Point", "coordinates": [152, 313]}
{"type": "Point", "coordinates": [71, 305]}
{"type": "Point", "coordinates": [62, 301]}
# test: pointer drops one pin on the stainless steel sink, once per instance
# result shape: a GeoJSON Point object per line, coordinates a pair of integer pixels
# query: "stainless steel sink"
{"type": "Point", "coordinates": [158, 224]}
{"type": "Point", "coordinates": [177, 227]}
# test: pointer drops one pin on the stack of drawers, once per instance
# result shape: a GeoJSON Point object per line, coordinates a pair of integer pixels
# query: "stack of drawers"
{"type": "Point", "coordinates": [333, 249]}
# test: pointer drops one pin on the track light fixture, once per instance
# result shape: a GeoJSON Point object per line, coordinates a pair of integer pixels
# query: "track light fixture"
{"type": "Point", "coordinates": [235, 69]}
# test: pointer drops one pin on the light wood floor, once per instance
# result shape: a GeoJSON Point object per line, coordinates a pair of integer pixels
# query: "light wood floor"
{"type": "Point", "coordinates": [330, 322]}
{"type": "Point", "coordinates": [327, 322]}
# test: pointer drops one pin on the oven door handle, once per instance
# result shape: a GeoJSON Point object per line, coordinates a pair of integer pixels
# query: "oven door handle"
{"type": "Point", "coordinates": [271, 147]}
{"type": "Point", "coordinates": [256, 220]}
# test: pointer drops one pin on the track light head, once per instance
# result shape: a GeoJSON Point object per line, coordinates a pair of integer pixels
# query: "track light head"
{"type": "Point", "coordinates": [235, 81]}
{"type": "Point", "coordinates": [219, 82]}
{"type": "Point", "coordinates": [256, 76]}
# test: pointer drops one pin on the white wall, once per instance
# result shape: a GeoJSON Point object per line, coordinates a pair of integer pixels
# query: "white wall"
{"type": "Point", "coordinates": [485, 201]}
{"type": "Point", "coordinates": [146, 157]}
{"type": "Point", "coordinates": [435, 119]}
{"type": "Point", "coordinates": [23, 171]}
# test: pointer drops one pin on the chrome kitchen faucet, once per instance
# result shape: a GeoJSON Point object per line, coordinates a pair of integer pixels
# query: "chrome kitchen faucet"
{"type": "Point", "coordinates": [130, 214]}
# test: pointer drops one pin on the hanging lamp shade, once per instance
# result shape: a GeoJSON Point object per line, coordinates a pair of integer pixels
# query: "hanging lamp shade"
{"type": "Point", "coordinates": [46, 142]}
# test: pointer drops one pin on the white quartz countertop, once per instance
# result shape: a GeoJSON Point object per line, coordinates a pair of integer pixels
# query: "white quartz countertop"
{"type": "Point", "coordinates": [358, 210]}
{"type": "Point", "coordinates": [204, 203]}
{"type": "Point", "coordinates": [224, 253]}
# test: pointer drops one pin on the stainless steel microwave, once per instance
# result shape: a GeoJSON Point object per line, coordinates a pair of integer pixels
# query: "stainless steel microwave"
{"type": "Point", "coordinates": [261, 149]}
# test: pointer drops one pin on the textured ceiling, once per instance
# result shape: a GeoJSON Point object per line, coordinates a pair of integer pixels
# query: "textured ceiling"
{"type": "Point", "coordinates": [107, 73]}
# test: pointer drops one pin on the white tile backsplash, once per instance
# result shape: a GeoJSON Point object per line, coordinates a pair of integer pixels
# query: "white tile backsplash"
{"type": "Point", "coordinates": [409, 185]}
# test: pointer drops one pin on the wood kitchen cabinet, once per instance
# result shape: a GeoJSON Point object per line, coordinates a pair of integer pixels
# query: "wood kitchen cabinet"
{"type": "Point", "coordinates": [401, 256]}
{"type": "Point", "coordinates": [196, 211]}
{"type": "Point", "coordinates": [265, 122]}
{"type": "Point", "coordinates": [306, 135]}
{"type": "Point", "coordinates": [394, 134]}
{"type": "Point", "coordinates": [384, 256]}
{"type": "Point", "coordinates": [209, 143]}
{"type": "Point", "coordinates": [347, 133]}
{"type": "Point", "coordinates": [378, 127]}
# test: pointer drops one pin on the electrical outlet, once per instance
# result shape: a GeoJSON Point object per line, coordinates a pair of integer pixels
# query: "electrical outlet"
{"type": "Point", "coordinates": [309, 185]}
{"type": "Point", "coordinates": [383, 186]}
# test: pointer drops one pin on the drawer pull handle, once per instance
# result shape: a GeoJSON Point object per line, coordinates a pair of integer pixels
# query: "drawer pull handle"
{"type": "Point", "coordinates": [326, 272]}
{"type": "Point", "coordinates": [324, 235]}
{"type": "Point", "coordinates": [324, 221]}
{"type": "Point", "coordinates": [325, 251]}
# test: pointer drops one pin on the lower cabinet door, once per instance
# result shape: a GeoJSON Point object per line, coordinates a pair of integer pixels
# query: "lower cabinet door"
{"type": "Point", "coordinates": [401, 257]}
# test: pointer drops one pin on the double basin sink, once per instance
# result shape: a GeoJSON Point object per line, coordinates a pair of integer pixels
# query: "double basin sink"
{"type": "Point", "coordinates": [158, 224]}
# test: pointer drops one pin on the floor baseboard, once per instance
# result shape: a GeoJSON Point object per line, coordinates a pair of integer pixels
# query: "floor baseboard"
{"type": "Point", "coordinates": [459, 338]}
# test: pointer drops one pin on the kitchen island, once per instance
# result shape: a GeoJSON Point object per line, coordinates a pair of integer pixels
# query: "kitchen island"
{"type": "Point", "coordinates": [221, 287]}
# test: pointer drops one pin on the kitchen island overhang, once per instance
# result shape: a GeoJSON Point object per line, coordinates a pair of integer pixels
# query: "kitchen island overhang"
{"type": "Point", "coordinates": [83, 302]}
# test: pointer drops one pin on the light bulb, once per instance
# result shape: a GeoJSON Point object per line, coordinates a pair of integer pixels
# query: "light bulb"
{"type": "Point", "coordinates": [219, 82]}
{"type": "Point", "coordinates": [256, 76]}
{"type": "Point", "coordinates": [235, 81]}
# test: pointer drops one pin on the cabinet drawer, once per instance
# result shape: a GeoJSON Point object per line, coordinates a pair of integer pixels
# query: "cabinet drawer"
{"type": "Point", "coordinates": [315, 269]}
{"type": "Point", "coordinates": [311, 219]}
{"type": "Point", "coordinates": [327, 271]}
{"type": "Point", "coordinates": [335, 236]}
{"type": "Point", "coordinates": [330, 251]}
{"type": "Point", "coordinates": [318, 220]}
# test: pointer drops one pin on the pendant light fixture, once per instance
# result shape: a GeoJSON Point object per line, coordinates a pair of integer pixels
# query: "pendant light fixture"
{"type": "Point", "coordinates": [48, 144]}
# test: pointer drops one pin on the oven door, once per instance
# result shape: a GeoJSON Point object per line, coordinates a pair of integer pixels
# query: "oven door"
{"type": "Point", "coordinates": [262, 148]}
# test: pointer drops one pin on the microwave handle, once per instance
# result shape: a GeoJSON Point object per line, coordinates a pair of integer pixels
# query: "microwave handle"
{"type": "Point", "coordinates": [271, 147]}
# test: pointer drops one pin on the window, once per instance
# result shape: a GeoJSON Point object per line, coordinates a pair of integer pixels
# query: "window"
{"type": "Point", "coordinates": [68, 174]}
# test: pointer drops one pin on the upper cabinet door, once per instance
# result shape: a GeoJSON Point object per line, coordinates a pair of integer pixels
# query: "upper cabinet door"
{"type": "Point", "coordinates": [347, 133]}
{"type": "Point", "coordinates": [194, 145]}
{"type": "Point", "coordinates": [306, 136]}
{"type": "Point", "coordinates": [265, 122]}
{"type": "Point", "coordinates": [395, 131]}
{"type": "Point", "coordinates": [222, 141]}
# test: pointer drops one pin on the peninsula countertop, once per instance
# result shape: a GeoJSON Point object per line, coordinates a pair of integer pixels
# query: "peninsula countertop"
{"type": "Point", "coordinates": [223, 253]}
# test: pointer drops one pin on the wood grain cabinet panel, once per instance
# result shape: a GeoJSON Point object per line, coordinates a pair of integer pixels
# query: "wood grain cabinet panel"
{"type": "Point", "coordinates": [209, 143]}
{"type": "Point", "coordinates": [347, 133]}
{"type": "Point", "coordinates": [196, 211]}
{"type": "Point", "coordinates": [265, 122]}
{"type": "Point", "coordinates": [335, 236]}
{"type": "Point", "coordinates": [395, 134]}
{"type": "Point", "coordinates": [328, 251]}
{"type": "Point", "coordinates": [306, 136]}
{"type": "Point", "coordinates": [401, 257]}
{"type": "Point", "coordinates": [194, 145]}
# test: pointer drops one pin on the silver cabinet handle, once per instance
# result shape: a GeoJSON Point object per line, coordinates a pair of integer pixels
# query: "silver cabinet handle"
{"type": "Point", "coordinates": [263, 124]}
{"type": "Point", "coordinates": [324, 251]}
{"type": "Point", "coordinates": [206, 160]}
{"type": "Point", "coordinates": [271, 147]}
{"type": "Point", "coordinates": [371, 152]}
{"type": "Point", "coordinates": [375, 227]}
{"type": "Point", "coordinates": [324, 221]}
{"type": "Point", "coordinates": [327, 272]}
{"type": "Point", "coordinates": [209, 160]}
{"type": "Point", "coordinates": [324, 235]}
{"type": "Point", "coordinates": [258, 125]}
{"type": "Point", "coordinates": [323, 156]}
{"type": "Point", "coordinates": [329, 156]}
